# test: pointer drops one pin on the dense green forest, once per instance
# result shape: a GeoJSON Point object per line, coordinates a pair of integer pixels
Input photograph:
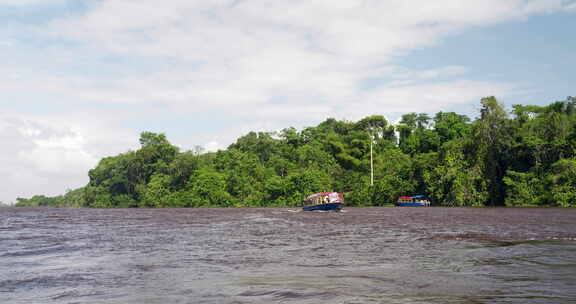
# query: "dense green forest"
{"type": "Point", "coordinates": [525, 157]}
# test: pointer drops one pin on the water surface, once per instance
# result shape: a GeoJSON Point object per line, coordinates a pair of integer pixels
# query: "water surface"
{"type": "Point", "coordinates": [277, 255]}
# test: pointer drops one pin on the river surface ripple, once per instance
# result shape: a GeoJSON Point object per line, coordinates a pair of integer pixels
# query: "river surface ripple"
{"type": "Point", "coordinates": [278, 255]}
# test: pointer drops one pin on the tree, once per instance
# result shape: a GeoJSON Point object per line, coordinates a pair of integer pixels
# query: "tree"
{"type": "Point", "coordinates": [493, 142]}
{"type": "Point", "coordinates": [414, 135]}
{"type": "Point", "coordinates": [208, 188]}
{"type": "Point", "coordinates": [388, 188]}
{"type": "Point", "coordinates": [409, 120]}
{"type": "Point", "coordinates": [456, 181]}
{"type": "Point", "coordinates": [150, 139]}
{"type": "Point", "coordinates": [301, 184]}
{"type": "Point", "coordinates": [449, 126]}
{"type": "Point", "coordinates": [422, 120]}
{"type": "Point", "coordinates": [157, 192]}
{"type": "Point", "coordinates": [562, 183]}
{"type": "Point", "coordinates": [259, 143]}
{"type": "Point", "coordinates": [120, 181]}
{"type": "Point", "coordinates": [377, 126]}
{"type": "Point", "coordinates": [522, 189]}
{"type": "Point", "coordinates": [181, 168]}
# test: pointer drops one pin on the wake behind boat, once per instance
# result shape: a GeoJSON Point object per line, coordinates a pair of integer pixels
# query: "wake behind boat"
{"type": "Point", "coordinates": [323, 201]}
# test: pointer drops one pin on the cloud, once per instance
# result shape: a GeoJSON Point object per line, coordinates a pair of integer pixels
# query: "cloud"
{"type": "Point", "coordinates": [39, 156]}
{"type": "Point", "coordinates": [252, 53]}
{"type": "Point", "coordinates": [29, 2]}
{"type": "Point", "coordinates": [47, 156]}
{"type": "Point", "coordinates": [212, 146]}
{"type": "Point", "coordinates": [570, 7]}
{"type": "Point", "coordinates": [6, 43]}
{"type": "Point", "coordinates": [427, 96]}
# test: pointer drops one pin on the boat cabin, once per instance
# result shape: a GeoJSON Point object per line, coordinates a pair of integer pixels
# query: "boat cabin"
{"type": "Point", "coordinates": [323, 198]}
{"type": "Point", "coordinates": [413, 201]}
{"type": "Point", "coordinates": [323, 201]}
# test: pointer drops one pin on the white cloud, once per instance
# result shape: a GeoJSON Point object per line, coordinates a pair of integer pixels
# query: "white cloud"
{"type": "Point", "coordinates": [570, 7]}
{"type": "Point", "coordinates": [38, 156]}
{"type": "Point", "coordinates": [426, 97]}
{"type": "Point", "coordinates": [6, 43]}
{"type": "Point", "coordinates": [29, 2]}
{"type": "Point", "coordinates": [47, 156]}
{"type": "Point", "coordinates": [58, 154]}
{"type": "Point", "coordinates": [243, 54]}
{"type": "Point", "coordinates": [213, 146]}
{"type": "Point", "coordinates": [442, 72]}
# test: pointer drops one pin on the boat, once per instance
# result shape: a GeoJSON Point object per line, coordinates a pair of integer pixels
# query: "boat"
{"type": "Point", "coordinates": [413, 201]}
{"type": "Point", "coordinates": [323, 201]}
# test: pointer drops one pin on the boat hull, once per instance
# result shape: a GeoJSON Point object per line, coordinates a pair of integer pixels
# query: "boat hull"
{"type": "Point", "coordinates": [323, 207]}
{"type": "Point", "coordinates": [414, 204]}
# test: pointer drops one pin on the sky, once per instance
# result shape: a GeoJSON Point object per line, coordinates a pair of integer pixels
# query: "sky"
{"type": "Point", "coordinates": [80, 80]}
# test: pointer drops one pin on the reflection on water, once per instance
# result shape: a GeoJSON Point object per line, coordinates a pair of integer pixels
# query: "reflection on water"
{"type": "Point", "coordinates": [362, 255]}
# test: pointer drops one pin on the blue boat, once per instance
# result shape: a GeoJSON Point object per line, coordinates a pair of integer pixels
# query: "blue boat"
{"type": "Point", "coordinates": [323, 201]}
{"type": "Point", "coordinates": [413, 201]}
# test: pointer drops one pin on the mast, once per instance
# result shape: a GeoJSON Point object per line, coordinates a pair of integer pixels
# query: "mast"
{"type": "Point", "coordinates": [371, 161]}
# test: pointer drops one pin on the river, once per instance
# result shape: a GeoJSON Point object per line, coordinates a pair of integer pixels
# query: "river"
{"type": "Point", "coordinates": [280, 255]}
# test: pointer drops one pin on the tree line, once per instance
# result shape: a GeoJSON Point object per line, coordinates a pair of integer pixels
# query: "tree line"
{"type": "Point", "coordinates": [524, 157]}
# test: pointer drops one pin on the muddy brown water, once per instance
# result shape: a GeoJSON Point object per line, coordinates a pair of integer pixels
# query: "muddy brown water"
{"type": "Point", "coordinates": [279, 255]}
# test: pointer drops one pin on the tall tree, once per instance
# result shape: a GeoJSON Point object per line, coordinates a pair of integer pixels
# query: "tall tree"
{"type": "Point", "coordinates": [493, 141]}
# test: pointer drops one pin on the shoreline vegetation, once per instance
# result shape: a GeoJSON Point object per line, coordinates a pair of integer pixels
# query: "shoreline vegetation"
{"type": "Point", "coordinates": [523, 158]}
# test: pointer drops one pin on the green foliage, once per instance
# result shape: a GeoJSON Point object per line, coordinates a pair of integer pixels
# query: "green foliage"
{"type": "Point", "coordinates": [527, 159]}
{"type": "Point", "coordinates": [36, 201]}
{"type": "Point", "coordinates": [157, 191]}
{"type": "Point", "coordinates": [301, 184]}
{"type": "Point", "coordinates": [493, 141]}
{"type": "Point", "coordinates": [562, 183]}
{"type": "Point", "coordinates": [456, 181]}
{"type": "Point", "coordinates": [451, 126]}
{"type": "Point", "coordinates": [415, 137]}
{"type": "Point", "coordinates": [388, 188]}
{"type": "Point", "coordinates": [362, 194]}
{"type": "Point", "coordinates": [261, 144]}
{"type": "Point", "coordinates": [523, 189]}
{"type": "Point", "coordinates": [208, 188]}
{"type": "Point", "coordinates": [151, 139]}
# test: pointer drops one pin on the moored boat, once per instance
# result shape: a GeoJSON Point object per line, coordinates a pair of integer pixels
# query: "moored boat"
{"type": "Point", "coordinates": [413, 201]}
{"type": "Point", "coordinates": [323, 201]}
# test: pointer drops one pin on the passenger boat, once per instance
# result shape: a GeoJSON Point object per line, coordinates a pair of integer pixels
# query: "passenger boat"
{"type": "Point", "coordinates": [413, 201]}
{"type": "Point", "coordinates": [323, 201]}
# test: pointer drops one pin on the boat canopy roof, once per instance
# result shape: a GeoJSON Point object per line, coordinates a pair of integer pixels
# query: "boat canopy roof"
{"type": "Point", "coordinates": [326, 197]}
{"type": "Point", "coordinates": [322, 194]}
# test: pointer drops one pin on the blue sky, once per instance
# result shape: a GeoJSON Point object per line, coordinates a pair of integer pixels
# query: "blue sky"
{"type": "Point", "coordinates": [81, 79]}
{"type": "Point", "coordinates": [537, 54]}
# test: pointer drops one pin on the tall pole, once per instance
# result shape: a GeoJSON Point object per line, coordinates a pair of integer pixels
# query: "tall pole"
{"type": "Point", "coordinates": [371, 161]}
